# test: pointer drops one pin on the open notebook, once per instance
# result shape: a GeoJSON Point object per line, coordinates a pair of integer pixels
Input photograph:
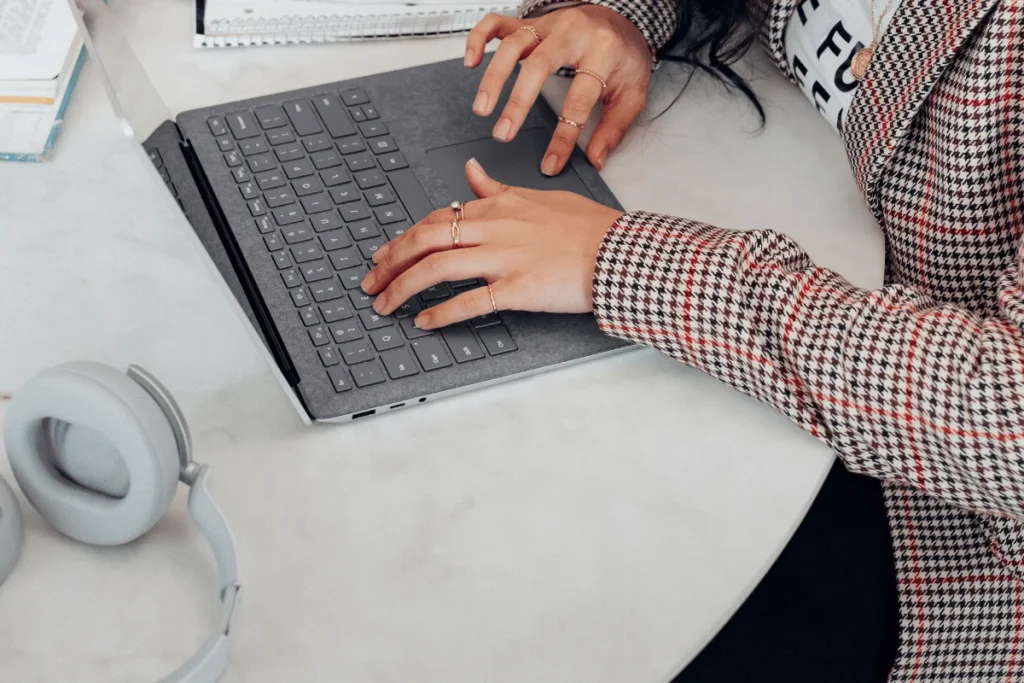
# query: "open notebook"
{"type": "Point", "coordinates": [233, 23]}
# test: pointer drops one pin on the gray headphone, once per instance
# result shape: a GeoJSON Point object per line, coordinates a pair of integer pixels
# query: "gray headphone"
{"type": "Point", "coordinates": [99, 454]}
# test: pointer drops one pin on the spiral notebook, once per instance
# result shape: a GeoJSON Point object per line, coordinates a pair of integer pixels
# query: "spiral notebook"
{"type": "Point", "coordinates": [237, 23]}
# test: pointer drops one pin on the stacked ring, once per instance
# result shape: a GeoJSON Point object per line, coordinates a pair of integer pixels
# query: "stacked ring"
{"type": "Point", "coordinates": [490, 291]}
{"type": "Point", "coordinates": [460, 214]}
{"type": "Point", "coordinates": [536, 35]}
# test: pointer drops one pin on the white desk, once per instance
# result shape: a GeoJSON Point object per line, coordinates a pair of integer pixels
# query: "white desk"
{"type": "Point", "coordinates": [593, 524]}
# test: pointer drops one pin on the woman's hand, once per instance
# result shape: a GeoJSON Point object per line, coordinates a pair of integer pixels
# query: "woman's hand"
{"type": "Point", "coordinates": [588, 37]}
{"type": "Point", "coordinates": [537, 249]}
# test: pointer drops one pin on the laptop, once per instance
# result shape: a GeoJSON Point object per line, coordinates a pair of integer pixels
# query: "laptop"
{"type": "Point", "coordinates": [292, 193]}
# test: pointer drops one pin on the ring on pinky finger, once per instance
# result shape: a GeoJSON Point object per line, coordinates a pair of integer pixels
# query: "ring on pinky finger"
{"type": "Point", "coordinates": [471, 304]}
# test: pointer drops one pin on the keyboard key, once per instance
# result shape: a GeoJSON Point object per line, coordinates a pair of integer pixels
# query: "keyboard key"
{"type": "Point", "coordinates": [289, 152]}
{"type": "Point", "coordinates": [431, 353]}
{"type": "Point", "coordinates": [242, 126]}
{"type": "Point", "coordinates": [354, 96]}
{"type": "Point", "coordinates": [393, 162]}
{"type": "Point", "coordinates": [241, 174]}
{"type": "Point", "coordinates": [264, 225]}
{"type": "Point", "coordinates": [373, 129]}
{"type": "Point", "coordinates": [253, 146]}
{"type": "Point", "coordinates": [367, 374]}
{"type": "Point", "coordinates": [339, 379]}
{"type": "Point", "coordinates": [233, 159]}
{"type": "Point", "coordinates": [336, 310]}
{"type": "Point", "coordinates": [497, 340]}
{"type": "Point", "coordinates": [399, 363]}
{"type": "Point", "coordinates": [384, 145]}
{"type": "Point", "coordinates": [262, 162]}
{"type": "Point", "coordinates": [299, 297]}
{"type": "Point", "coordinates": [396, 229]}
{"type": "Point", "coordinates": [270, 116]}
{"type": "Point", "coordinates": [316, 271]}
{"type": "Point", "coordinates": [344, 193]}
{"type": "Point", "coordinates": [388, 214]}
{"type": "Point", "coordinates": [369, 247]}
{"type": "Point", "coordinates": [334, 176]}
{"type": "Point", "coordinates": [281, 136]}
{"type": "Point", "coordinates": [288, 215]}
{"type": "Point", "coordinates": [354, 211]}
{"type": "Point", "coordinates": [217, 126]}
{"type": "Point", "coordinates": [225, 144]}
{"type": "Point", "coordinates": [309, 316]}
{"type": "Point", "coordinates": [410, 329]}
{"type": "Point", "coordinates": [409, 190]}
{"type": "Point", "coordinates": [373, 320]}
{"type": "Point", "coordinates": [326, 221]}
{"type": "Point", "coordinates": [351, 278]}
{"type": "Point", "coordinates": [410, 307]}
{"type": "Point", "coordinates": [462, 284]}
{"type": "Point", "coordinates": [359, 162]}
{"type": "Point", "coordinates": [380, 197]}
{"type": "Point", "coordinates": [363, 230]}
{"type": "Point", "coordinates": [371, 112]}
{"type": "Point", "coordinates": [273, 242]}
{"type": "Point", "coordinates": [298, 169]}
{"type": "Point", "coordinates": [333, 113]}
{"type": "Point", "coordinates": [351, 146]}
{"type": "Point", "coordinates": [302, 117]}
{"type": "Point", "coordinates": [326, 159]}
{"type": "Point", "coordinates": [334, 239]}
{"type": "Point", "coordinates": [357, 114]}
{"type": "Point", "coordinates": [485, 320]}
{"type": "Point", "coordinates": [319, 336]}
{"type": "Point", "coordinates": [256, 207]}
{"type": "Point", "coordinates": [306, 253]}
{"type": "Point", "coordinates": [346, 331]}
{"type": "Point", "coordinates": [317, 203]}
{"type": "Point", "coordinates": [462, 343]}
{"type": "Point", "coordinates": [282, 259]}
{"type": "Point", "coordinates": [317, 143]}
{"type": "Point", "coordinates": [249, 190]}
{"type": "Point", "coordinates": [154, 156]}
{"type": "Point", "coordinates": [358, 351]}
{"type": "Point", "coordinates": [361, 300]}
{"type": "Point", "coordinates": [328, 356]}
{"type": "Point", "coordinates": [281, 197]}
{"type": "Point", "coordinates": [435, 293]}
{"type": "Point", "coordinates": [344, 258]}
{"type": "Point", "coordinates": [269, 180]}
{"type": "Point", "coordinates": [307, 187]}
{"type": "Point", "coordinates": [386, 338]}
{"type": "Point", "coordinates": [325, 291]}
{"type": "Point", "coordinates": [291, 278]}
{"type": "Point", "coordinates": [297, 233]}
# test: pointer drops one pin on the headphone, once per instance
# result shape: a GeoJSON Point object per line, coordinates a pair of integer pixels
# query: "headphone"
{"type": "Point", "coordinates": [99, 453]}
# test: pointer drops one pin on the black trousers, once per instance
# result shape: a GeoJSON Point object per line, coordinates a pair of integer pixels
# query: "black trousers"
{"type": "Point", "coordinates": [827, 611]}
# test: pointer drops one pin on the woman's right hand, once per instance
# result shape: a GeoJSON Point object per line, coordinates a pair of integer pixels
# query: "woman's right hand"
{"type": "Point", "coordinates": [584, 37]}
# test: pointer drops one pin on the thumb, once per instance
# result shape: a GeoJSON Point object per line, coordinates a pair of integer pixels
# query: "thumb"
{"type": "Point", "coordinates": [483, 185]}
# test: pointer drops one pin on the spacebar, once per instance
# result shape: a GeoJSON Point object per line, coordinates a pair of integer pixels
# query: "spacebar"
{"type": "Point", "coordinates": [411, 194]}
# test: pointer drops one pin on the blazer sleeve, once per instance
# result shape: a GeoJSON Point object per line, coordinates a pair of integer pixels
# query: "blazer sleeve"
{"type": "Point", "coordinates": [656, 19]}
{"type": "Point", "coordinates": [902, 387]}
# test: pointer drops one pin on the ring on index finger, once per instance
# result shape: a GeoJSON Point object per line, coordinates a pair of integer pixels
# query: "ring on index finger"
{"type": "Point", "coordinates": [536, 34]}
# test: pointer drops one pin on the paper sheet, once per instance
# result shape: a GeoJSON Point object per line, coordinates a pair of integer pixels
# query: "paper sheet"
{"type": "Point", "coordinates": [35, 38]}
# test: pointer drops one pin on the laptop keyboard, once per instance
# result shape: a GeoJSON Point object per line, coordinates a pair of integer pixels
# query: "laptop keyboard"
{"type": "Point", "coordinates": [326, 185]}
{"type": "Point", "coordinates": [158, 161]}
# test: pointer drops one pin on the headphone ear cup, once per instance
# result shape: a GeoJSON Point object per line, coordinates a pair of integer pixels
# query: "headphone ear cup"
{"type": "Point", "coordinates": [10, 530]}
{"type": "Point", "coordinates": [93, 452]}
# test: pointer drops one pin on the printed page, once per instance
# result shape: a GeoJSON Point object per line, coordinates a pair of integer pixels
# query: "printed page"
{"type": "Point", "coordinates": [35, 38]}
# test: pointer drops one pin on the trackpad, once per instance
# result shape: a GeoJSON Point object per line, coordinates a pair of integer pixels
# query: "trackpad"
{"type": "Point", "coordinates": [513, 163]}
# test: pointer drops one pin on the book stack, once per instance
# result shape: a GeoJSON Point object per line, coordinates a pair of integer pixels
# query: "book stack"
{"type": "Point", "coordinates": [41, 53]}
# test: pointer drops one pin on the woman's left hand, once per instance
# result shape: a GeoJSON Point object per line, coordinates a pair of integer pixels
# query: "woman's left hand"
{"type": "Point", "coordinates": [538, 250]}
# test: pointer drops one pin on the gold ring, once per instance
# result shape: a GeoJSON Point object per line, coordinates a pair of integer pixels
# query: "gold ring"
{"type": "Point", "coordinates": [588, 72]}
{"type": "Point", "coordinates": [456, 234]}
{"type": "Point", "coordinates": [562, 119]}
{"type": "Point", "coordinates": [491, 292]}
{"type": "Point", "coordinates": [536, 35]}
{"type": "Point", "coordinates": [460, 210]}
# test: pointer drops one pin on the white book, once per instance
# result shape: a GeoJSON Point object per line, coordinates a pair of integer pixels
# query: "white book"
{"type": "Point", "coordinates": [237, 23]}
{"type": "Point", "coordinates": [39, 44]}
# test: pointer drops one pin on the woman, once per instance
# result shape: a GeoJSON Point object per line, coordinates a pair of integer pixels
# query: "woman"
{"type": "Point", "coordinates": [918, 384]}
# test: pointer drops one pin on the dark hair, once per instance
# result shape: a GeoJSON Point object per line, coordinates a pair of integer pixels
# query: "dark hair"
{"type": "Point", "coordinates": [711, 36]}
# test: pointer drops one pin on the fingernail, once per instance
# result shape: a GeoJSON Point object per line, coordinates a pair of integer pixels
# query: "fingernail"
{"type": "Point", "coordinates": [480, 104]}
{"type": "Point", "coordinates": [469, 59]}
{"type": "Point", "coordinates": [379, 254]}
{"type": "Point", "coordinates": [368, 281]}
{"type": "Point", "coordinates": [422, 320]}
{"type": "Point", "coordinates": [502, 130]}
{"type": "Point", "coordinates": [378, 305]}
{"type": "Point", "coordinates": [550, 165]}
{"type": "Point", "coordinates": [601, 158]}
{"type": "Point", "coordinates": [475, 164]}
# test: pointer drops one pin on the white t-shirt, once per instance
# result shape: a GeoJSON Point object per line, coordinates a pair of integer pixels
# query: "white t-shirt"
{"type": "Point", "coordinates": [821, 38]}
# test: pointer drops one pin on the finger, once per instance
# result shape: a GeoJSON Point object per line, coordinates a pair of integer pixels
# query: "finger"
{"type": "Point", "coordinates": [618, 116]}
{"type": "Point", "coordinates": [416, 244]}
{"type": "Point", "coordinates": [490, 27]}
{"type": "Point", "coordinates": [441, 266]}
{"type": "Point", "coordinates": [515, 46]}
{"type": "Point", "coordinates": [543, 62]}
{"type": "Point", "coordinates": [483, 185]}
{"type": "Point", "coordinates": [583, 94]}
{"type": "Point", "coordinates": [465, 306]}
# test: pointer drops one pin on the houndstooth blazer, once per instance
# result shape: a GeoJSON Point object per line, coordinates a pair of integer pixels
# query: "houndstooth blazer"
{"type": "Point", "coordinates": [920, 383]}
